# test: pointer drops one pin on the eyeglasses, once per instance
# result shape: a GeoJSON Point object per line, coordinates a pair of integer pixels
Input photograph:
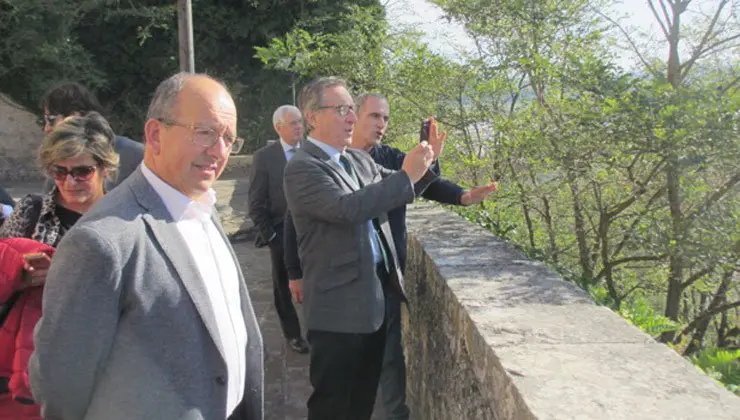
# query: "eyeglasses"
{"type": "Point", "coordinates": [207, 137]}
{"type": "Point", "coordinates": [79, 173]}
{"type": "Point", "coordinates": [48, 119]}
{"type": "Point", "coordinates": [342, 110]}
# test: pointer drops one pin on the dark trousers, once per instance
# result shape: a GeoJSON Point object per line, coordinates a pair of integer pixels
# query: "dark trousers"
{"type": "Point", "coordinates": [345, 370]}
{"type": "Point", "coordinates": [281, 292]}
{"type": "Point", "coordinates": [393, 374]}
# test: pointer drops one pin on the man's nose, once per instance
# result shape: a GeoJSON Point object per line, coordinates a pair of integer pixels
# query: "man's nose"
{"type": "Point", "coordinates": [219, 148]}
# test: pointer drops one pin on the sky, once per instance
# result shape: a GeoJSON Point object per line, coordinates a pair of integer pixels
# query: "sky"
{"type": "Point", "coordinates": [448, 38]}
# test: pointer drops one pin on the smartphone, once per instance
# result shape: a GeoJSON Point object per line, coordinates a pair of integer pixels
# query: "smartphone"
{"type": "Point", "coordinates": [424, 133]}
{"type": "Point", "coordinates": [38, 260]}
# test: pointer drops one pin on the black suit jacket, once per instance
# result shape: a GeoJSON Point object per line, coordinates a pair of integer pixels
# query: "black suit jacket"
{"type": "Point", "coordinates": [266, 199]}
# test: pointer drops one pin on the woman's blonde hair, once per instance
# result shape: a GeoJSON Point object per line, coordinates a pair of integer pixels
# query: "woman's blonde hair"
{"type": "Point", "coordinates": [76, 135]}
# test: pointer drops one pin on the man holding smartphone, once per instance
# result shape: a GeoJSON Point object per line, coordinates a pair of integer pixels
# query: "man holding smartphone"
{"type": "Point", "coordinates": [373, 114]}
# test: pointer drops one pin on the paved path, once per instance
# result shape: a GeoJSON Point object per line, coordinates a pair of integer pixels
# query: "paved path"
{"type": "Point", "coordinates": [287, 387]}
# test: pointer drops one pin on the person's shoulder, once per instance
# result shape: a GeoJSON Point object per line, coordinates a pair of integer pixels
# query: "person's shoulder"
{"type": "Point", "coordinates": [124, 142]}
{"type": "Point", "coordinates": [115, 210]}
{"type": "Point", "coordinates": [267, 148]}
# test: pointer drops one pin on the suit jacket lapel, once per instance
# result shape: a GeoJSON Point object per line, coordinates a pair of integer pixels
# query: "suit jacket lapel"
{"type": "Point", "coordinates": [173, 245]}
{"type": "Point", "coordinates": [338, 170]}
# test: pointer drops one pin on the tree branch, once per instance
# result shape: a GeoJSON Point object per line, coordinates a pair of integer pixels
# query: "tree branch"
{"type": "Point", "coordinates": [714, 198]}
{"type": "Point", "coordinates": [642, 59]}
{"type": "Point", "coordinates": [625, 260]}
{"type": "Point", "coordinates": [657, 17]}
{"type": "Point", "coordinates": [699, 51]}
{"type": "Point", "coordinates": [708, 314]}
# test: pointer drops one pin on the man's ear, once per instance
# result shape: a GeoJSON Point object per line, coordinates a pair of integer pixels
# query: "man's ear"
{"type": "Point", "coordinates": [152, 132]}
{"type": "Point", "coordinates": [308, 119]}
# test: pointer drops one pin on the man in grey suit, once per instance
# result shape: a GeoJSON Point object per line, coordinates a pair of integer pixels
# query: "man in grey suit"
{"type": "Point", "coordinates": [338, 198]}
{"type": "Point", "coordinates": [267, 210]}
{"type": "Point", "coordinates": [146, 313]}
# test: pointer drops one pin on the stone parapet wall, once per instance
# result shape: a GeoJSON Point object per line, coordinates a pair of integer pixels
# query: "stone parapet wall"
{"type": "Point", "coordinates": [491, 335]}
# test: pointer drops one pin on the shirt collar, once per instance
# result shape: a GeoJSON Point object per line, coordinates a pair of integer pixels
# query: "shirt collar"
{"type": "Point", "coordinates": [287, 147]}
{"type": "Point", "coordinates": [179, 205]}
{"type": "Point", "coordinates": [329, 150]}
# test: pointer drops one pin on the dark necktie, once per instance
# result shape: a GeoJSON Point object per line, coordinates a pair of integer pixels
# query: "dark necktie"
{"type": "Point", "coordinates": [374, 236]}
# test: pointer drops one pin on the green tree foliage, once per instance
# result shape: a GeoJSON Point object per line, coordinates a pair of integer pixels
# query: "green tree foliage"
{"type": "Point", "coordinates": [124, 49]}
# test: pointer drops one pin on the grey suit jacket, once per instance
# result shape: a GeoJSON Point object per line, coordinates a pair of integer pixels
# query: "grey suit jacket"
{"type": "Point", "coordinates": [266, 199]}
{"type": "Point", "coordinates": [342, 293]}
{"type": "Point", "coordinates": [127, 330]}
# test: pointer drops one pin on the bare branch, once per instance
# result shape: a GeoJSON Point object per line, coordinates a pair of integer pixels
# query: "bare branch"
{"type": "Point", "coordinates": [699, 51]}
{"type": "Point", "coordinates": [708, 314]}
{"type": "Point", "coordinates": [636, 50]}
{"type": "Point", "coordinates": [714, 198]}
{"type": "Point", "coordinates": [657, 17]}
{"type": "Point", "coordinates": [698, 275]}
{"type": "Point", "coordinates": [628, 234]}
{"type": "Point", "coordinates": [626, 260]}
{"type": "Point", "coordinates": [711, 49]}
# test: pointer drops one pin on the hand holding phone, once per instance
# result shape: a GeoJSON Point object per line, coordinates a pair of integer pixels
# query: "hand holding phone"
{"type": "Point", "coordinates": [430, 134]}
{"type": "Point", "coordinates": [424, 132]}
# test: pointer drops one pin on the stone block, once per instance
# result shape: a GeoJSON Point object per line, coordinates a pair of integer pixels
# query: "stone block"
{"type": "Point", "coordinates": [490, 334]}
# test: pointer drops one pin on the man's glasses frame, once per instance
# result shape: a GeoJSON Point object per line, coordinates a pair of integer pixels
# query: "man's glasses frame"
{"type": "Point", "coordinates": [342, 110]}
{"type": "Point", "coordinates": [79, 173]}
{"type": "Point", "coordinates": [207, 137]}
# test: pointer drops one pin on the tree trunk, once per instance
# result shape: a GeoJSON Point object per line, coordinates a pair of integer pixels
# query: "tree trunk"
{"type": "Point", "coordinates": [675, 257]}
{"type": "Point", "coordinates": [720, 298]}
{"type": "Point", "coordinates": [587, 273]}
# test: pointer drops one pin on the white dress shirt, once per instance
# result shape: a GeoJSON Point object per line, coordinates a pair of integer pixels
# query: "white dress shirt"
{"type": "Point", "coordinates": [219, 273]}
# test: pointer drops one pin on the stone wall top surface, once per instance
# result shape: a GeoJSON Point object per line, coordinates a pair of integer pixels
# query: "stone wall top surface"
{"type": "Point", "coordinates": [567, 357]}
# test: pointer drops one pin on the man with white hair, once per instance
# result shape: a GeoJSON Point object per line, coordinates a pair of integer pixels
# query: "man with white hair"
{"type": "Point", "coordinates": [267, 208]}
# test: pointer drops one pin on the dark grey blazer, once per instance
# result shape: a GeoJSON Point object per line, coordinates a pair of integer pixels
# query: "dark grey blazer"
{"type": "Point", "coordinates": [266, 199]}
{"type": "Point", "coordinates": [341, 290]}
{"type": "Point", "coordinates": [127, 330]}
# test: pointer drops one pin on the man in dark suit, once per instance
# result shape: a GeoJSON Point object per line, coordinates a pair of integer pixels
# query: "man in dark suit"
{"type": "Point", "coordinates": [339, 198]}
{"type": "Point", "coordinates": [66, 99]}
{"type": "Point", "coordinates": [267, 210]}
{"type": "Point", "coordinates": [373, 115]}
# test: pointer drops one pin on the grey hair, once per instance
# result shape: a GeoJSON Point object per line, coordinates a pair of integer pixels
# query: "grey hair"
{"type": "Point", "coordinates": [282, 111]}
{"type": "Point", "coordinates": [312, 95]}
{"type": "Point", "coordinates": [165, 96]}
{"type": "Point", "coordinates": [360, 100]}
{"type": "Point", "coordinates": [74, 136]}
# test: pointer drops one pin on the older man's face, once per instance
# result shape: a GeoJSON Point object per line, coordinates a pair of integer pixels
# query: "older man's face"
{"type": "Point", "coordinates": [329, 126]}
{"type": "Point", "coordinates": [290, 128]}
{"type": "Point", "coordinates": [188, 167]}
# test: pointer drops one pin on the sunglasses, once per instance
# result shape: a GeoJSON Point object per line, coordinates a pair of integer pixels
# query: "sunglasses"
{"type": "Point", "coordinates": [79, 173]}
{"type": "Point", "coordinates": [48, 120]}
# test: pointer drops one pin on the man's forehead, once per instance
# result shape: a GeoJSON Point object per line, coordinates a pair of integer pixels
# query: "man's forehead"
{"type": "Point", "coordinates": [375, 105]}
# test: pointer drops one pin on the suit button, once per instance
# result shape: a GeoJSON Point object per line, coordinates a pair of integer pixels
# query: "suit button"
{"type": "Point", "coordinates": [221, 380]}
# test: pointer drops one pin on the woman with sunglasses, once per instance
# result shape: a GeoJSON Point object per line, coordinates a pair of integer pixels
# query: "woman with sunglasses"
{"type": "Point", "coordinates": [78, 155]}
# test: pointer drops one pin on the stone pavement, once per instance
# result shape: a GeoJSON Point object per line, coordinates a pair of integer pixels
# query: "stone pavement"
{"type": "Point", "coordinates": [287, 387]}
